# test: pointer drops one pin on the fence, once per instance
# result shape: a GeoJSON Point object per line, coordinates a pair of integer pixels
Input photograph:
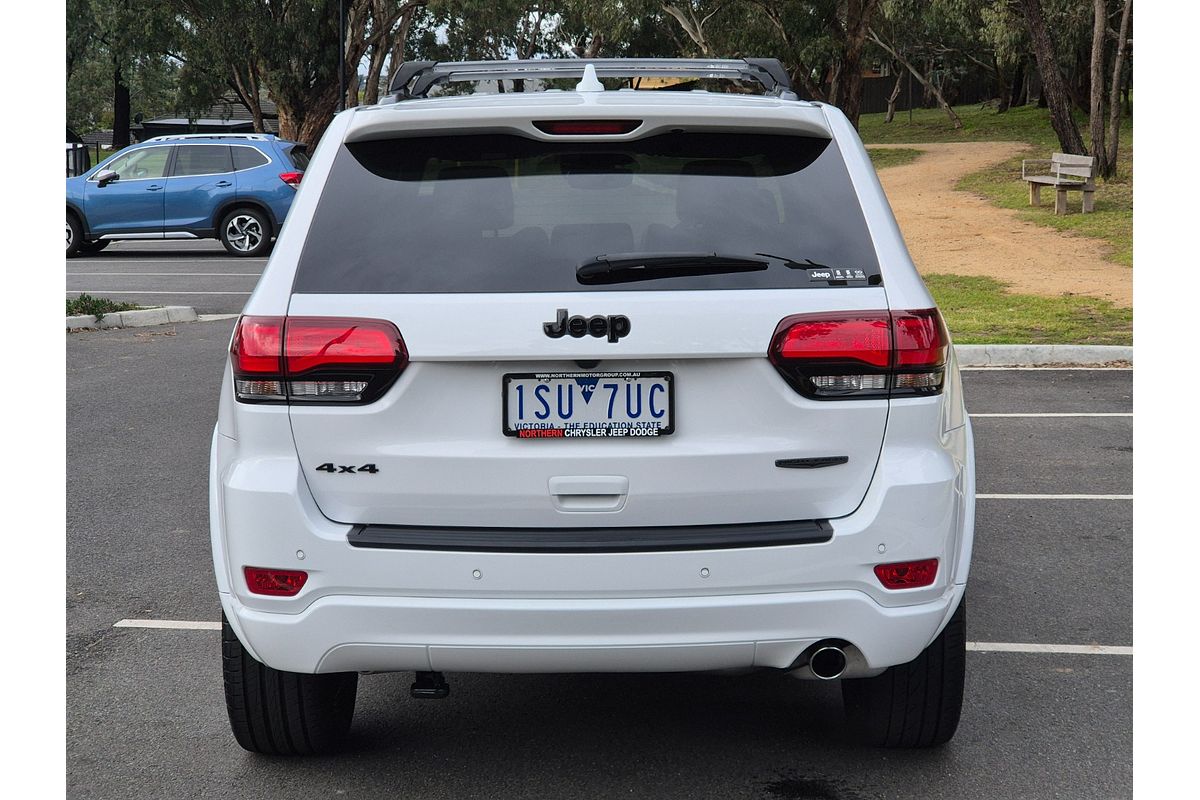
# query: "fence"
{"type": "Point", "coordinates": [973, 87]}
{"type": "Point", "coordinates": [79, 159]}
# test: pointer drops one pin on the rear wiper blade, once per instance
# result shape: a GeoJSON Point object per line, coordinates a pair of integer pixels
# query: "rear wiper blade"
{"type": "Point", "coordinates": [630, 267]}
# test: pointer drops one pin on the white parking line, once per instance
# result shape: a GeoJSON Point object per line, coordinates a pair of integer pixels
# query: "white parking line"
{"type": "Point", "coordinates": [168, 274]}
{"type": "Point", "coordinates": [123, 291]}
{"type": "Point", "coordinates": [168, 624]}
{"type": "Point", "coordinates": [981, 647]}
{"type": "Point", "coordinates": [180, 261]}
{"type": "Point", "coordinates": [1072, 649]}
{"type": "Point", "coordinates": [1059, 414]}
{"type": "Point", "coordinates": [1053, 496]}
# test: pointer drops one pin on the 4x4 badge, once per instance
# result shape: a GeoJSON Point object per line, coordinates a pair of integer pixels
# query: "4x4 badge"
{"type": "Point", "coordinates": [614, 327]}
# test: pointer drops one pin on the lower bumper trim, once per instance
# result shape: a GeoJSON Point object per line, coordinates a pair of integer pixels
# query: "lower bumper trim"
{"type": "Point", "coordinates": [591, 540]}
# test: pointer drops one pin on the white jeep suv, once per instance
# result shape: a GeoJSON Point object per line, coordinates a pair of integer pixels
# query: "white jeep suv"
{"type": "Point", "coordinates": [590, 379]}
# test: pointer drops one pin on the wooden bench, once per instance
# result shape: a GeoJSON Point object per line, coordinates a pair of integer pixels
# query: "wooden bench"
{"type": "Point", "coordinates": [1066, 173]}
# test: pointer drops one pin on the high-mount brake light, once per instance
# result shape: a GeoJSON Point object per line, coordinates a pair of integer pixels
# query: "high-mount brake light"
{"type": "Point", "coordinates": [851, 355]}
{"type": "Point", "coordinates": [292, 179]}
{"type": "Point", "coordinates": [315, 359]}
{"type": "Point", "coordinates": [275, 582]}
{"type": "Point", "coordinates": [907, 574]}
{"type": "Point", "coordinates": [587, 127]}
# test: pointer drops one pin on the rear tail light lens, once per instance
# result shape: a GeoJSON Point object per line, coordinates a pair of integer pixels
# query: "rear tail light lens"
{"type": "Point", "coordinates": [862, 355]}
{"type": "Point", "coordinates": [587, 127]}
{"type": "Point", "coordinates": [292, 179]}
{"type": "Point", "coordinates": [907, 574]}
{"type": "Point", "coordinates": [275, 582]}
{"type": "Point", "coordinates": [315, 359]}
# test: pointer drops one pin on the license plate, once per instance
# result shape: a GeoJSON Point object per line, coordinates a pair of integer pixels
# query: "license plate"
{"type": "Point", "coordinates": [589, 405]}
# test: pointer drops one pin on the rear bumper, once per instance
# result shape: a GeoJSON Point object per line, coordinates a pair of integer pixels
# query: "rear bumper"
{"type": "Point", "coordinates": [698, 609]}
{"type": "Point", "coordinates": [348, 633]}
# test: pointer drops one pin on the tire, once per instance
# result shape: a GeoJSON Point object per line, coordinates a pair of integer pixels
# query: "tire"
{"type": "Point", "coordinates": [245, 232]}
{"type": "Point", "coordinates": [91, 248]}
{"type": "Point", "coordinates": [74, 235]}
{"type": "Point", "coordinates": [284, 713]}
{"type": "Point", "coordinates": [915, 704]}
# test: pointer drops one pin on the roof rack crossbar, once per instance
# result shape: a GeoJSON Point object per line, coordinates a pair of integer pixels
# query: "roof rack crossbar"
{"type": "Point", "coordinates": [416, 78]}
{"type": "Point", "coordinates": [171, 136]}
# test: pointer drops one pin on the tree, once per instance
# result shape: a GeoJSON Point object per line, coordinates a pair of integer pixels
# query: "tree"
{"type": "Point", "coordinates": [1117, 84]}
{"type": "Point", "coordinates": [1052, 82]}
{"type": "Point", "coordinates": [118, 63]}
{"type": "Point", "coordinates": [913, 35]}
{"type": "Point", "coordinates": [1096, 105]}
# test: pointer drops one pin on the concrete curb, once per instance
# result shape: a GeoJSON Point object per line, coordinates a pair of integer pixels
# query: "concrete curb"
{"type": "Point", "coordinates": [135, 319]}
{"type": "Point", "coordinates": [1040, 355]}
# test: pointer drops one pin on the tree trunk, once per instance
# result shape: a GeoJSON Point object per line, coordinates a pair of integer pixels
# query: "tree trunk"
{"type": "Point", "coordinates": [849, 73]}
{"type": "Point", "coordinates": [1114, 98]}
{"type": "Point", "coordinates": [891, 110]}
{"type": "Point", "coordinates": [1020, 85]}
{"type": "Point", "coordinates": [374, 75]}
{"type": "Point", "coordinates": [929, 85]}
{"type": "Point", "coordinates": [1035, 94]}
{"type": "Point", "coordinates": [356, 48]}
{"type": "Point", "coordinates": [399, 41]}
{"type": "Point", "coordinates": [120, 108]}
{"type": "Point", "coordinates": [692, 25]}
{"type": "Point", "coordinates": [1003, 87]}
{"type": "Point", "coordinates": [246, 87]}
{"type": "Point", "coordinates": [1052, 82]}
{"type": "Point", "coordinates": [1096, 79]}
{"type": "Point", "coordinates": [835, 84]}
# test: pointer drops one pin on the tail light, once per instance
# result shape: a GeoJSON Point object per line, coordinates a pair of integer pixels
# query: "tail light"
{"type": "Point", "coordinates": [862, 354]}
{"type": "Point", "coordinates": [292, 179]}
{"type": "Point", "coordinates": [907, 574]}
{"type": "Point", "coordinates": [315, 359]}
{"type": "Point", "coordinates": [276, 582]}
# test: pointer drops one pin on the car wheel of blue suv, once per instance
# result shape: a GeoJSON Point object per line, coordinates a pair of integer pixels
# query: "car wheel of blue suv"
{"type": "Point", "coordinates": [245, 232]}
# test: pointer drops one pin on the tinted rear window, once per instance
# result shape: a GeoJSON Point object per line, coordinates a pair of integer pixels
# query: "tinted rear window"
{"type": "Point", "coordinates": [202, 159]}
{"type": "Point", "coordinates": [247, 158]}
{"type": "Point", "coordinates": [498, 213]}
{"type": "Point", "coordinates": [298, 155]}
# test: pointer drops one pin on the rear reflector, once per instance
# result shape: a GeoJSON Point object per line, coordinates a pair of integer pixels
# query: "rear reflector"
{"type": "Point", "coordinates": [275, 582]}
{"type": "Point", "coordinates": [907, 574]}
{"type": "Point", "coordinates": [862, 354]}
{"type": "Point", "coordinates": [587, 127]}
{"type": "Point", "coordinates": [292, 179]}
{"type": "Point", "coordinates": [315, 359]}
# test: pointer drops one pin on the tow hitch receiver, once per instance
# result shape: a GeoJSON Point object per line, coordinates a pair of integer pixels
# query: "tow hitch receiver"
{"type": "Point", "coordinates": [429, 686]}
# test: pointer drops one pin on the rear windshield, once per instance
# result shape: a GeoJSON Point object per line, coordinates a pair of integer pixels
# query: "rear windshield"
{"type": "Point", "coordinates": [501, 213]}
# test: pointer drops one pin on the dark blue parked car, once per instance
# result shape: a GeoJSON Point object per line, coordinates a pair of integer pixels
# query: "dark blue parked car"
{"type": "Point", "coordinates": [233, 187]}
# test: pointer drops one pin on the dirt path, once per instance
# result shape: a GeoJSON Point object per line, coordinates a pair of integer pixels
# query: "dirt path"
{"type": "Point", "coordinates": [948, 231]}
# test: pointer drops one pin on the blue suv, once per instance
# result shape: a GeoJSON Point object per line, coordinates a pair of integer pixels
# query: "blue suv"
{"type": "Point", "coordinates": [233, 187]}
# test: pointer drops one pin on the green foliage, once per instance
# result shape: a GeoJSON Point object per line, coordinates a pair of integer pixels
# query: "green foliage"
{"type": "Point", "coordinates": [982, 311]}
{"type": "Point", "coordinates": [884, 157]}
{"type": "Point", "coordinates": [86, 304]}
{"type": "Point", "coordinates": [130, 37]}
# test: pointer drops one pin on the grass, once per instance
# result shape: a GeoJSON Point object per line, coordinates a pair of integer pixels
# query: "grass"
{"type": "Point", "coordinates": [884, 157]}
{"type": "Point", "coordinates": [982, 311]}
{"type": "Point", "coordinates": [1112, 221]}
{"type": "Point", "coordinates": [85, 304]}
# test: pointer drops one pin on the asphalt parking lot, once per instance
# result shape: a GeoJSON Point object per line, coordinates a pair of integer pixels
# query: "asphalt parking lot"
{"type": "Point", "coordinates": [1049, 685]}
{"type": "Point", "coordinates": [167, 273]}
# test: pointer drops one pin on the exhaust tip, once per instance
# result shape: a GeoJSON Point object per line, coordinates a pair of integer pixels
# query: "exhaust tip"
{"type": "Point", "coordinates": [828, 662]}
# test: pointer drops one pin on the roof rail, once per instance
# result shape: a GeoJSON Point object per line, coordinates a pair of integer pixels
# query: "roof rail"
{"type": "Point", "coordinates": [262, 137]}
{"type": "Point", "coordinates": [416, 78]}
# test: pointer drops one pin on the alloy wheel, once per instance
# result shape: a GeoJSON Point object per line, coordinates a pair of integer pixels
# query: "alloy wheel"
{"type": "Point", "coordinates": [244, 232]}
